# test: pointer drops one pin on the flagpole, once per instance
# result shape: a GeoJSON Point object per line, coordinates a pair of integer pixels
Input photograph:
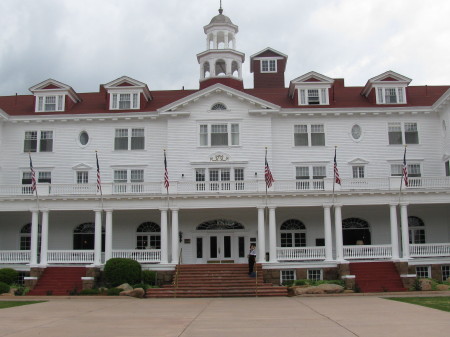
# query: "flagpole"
{"type": "Point", "coordinates": [404, 171]}
{"type": "Point", "coordinates": [334, 173]}
{"type": "Point", "coordinates": [99, 181]}
{"type": "Point", "coordinates": [33, 181]}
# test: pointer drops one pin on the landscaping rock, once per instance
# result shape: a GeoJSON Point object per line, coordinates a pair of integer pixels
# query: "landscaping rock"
{"type": "Point", "coordinates": [331, 288]}
{"type": "Point", "coordinates": [425, 284]}
{"type": "Point", "coordinates": [442, 287]}
{"type": "Point", "coordinates": [125, 287]}
{"type": "Point", "coordinates": [138, 293]}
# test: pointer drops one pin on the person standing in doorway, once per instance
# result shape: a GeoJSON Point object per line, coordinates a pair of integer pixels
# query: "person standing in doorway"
{"type": "Point", "coordinates": [251, 259]}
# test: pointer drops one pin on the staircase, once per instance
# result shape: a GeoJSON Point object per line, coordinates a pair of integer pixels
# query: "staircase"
{"type": "Point", "coordinates": [374, 277]}
{"type": "Point", "coordinates": [59, 281]}
{"type": "Point", "coordinates": [217, 280]}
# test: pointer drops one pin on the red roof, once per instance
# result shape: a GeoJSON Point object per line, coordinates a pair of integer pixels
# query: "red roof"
{"type": "Point", "coordinates": [340, 97]}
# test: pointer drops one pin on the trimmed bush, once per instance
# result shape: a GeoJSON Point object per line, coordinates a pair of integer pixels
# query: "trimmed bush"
{"type": "Point", "coordinates": [8, 275]}
{"type": "Point", "coordinates": [114, 291]}
{"type": "Point", "coordinates": [89, 292]}
{"type": "Point", "coordinates": [4, 288]}
{"type": "Point", "coordinates": [118, 271]}
{"type": "Point", "coordinates": [149, 277]}
{"type": "Point", "coordinates": [141, 285]}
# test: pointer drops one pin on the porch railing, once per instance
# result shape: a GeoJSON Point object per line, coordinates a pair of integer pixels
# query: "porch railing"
{"type": "Point", "coordinates": [15, 256]}
{"type": "Point", "coordinates": [70, 256]}
{"type": "Point", "coordinates": [368, 252]}
{"type": "Point", "coordinates": [300, 253]}
{"type": "Point", "coordinates": [140, 255]}
{"type": "Point", "coordinates": [429, 250]}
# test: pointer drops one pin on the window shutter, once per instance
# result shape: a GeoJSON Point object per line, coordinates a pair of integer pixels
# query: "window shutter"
{"type": "Point", "coordinates": [323, 93]}
{"type": "Point", "coordinates": [302, 97]}
{"type": "Point", "coordinates": [60, 103]}
{"type": "Point", "coordinates": [40, 103]}
{"type": "Point", "coordinates": [400, 95]}
{"type": "Point", "coordinates": [135, 101]}
{"type": "Point", "coordinates": [380, 96]}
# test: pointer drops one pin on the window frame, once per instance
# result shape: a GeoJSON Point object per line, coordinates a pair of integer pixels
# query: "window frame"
{"type": "Point", "coordinates": [358, 171]}
{"type": "Point", "coordinates": [284, 273]}
{"type": "Point", "coordinates": [124, 180]}
{"type": "Point", "coordinates": [269, 65]}
{"type": "Point", "coordinates": [309, 134]}
{"type": "Point", "coordinates": [424, 273]}
{"type": "Point", "coordinates": [404, 133]}
{"type": "Point", "coordinates": [205, 134]}
{"type": "Point", "coordinates": [41, 102]}
{"type": "Point", "coordinates": [310, 274]}
{"type": "Point", "coordinates": [323, 96]}
{"type": "Point", "coordinates": [130, 137]}
{"type": "Point", "coordinates": [400, 94]}
{"type": "Point", "coordinates": [134, 99]}
{"type": "Point", "coordinates": [39, 141]}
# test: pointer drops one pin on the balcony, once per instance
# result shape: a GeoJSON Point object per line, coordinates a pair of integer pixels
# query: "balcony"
{"type": "Point", "coordinates": [228, 187]}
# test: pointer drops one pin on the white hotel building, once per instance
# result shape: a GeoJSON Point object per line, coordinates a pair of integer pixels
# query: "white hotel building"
{"type": "Point", "coordinates": [215, 139]}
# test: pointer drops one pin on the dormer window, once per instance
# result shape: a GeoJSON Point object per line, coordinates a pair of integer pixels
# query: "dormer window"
{"type": "Point", "coordinates": [269, 66]}
{"type": "Point", "coordinates": [313, 96]}
{"type": "Point", "coordinates": [391, 95]}
{"type": "Point", "coordinates": [124, 101]}
{"type": "Point", "coordinates": [50, 103]}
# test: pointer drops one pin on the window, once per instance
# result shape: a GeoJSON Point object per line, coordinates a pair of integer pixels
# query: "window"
{"type": "Point", "coordinates": [45, 177]}
{"type": "Point", "coordinates": [148, 236]}
{"type": "Point", "coordinates": [125, 101]}
{"type": "Point", "coordinates": [315, 138]}
{"type": "Point", "coordinates": [447, 168]}
{"type": "Point", "coordinates": [25, 237]}
{"type": "Point", "coordinates": [413, 170]}
{"type": "Point", "coordinates": [219, 134]}
{"type": "Point", "coordinates": [317, 96]}
{"type": "Point", "coordinates": [287, 276]}
{"type": "Point", "coordinates": [416, 228]}
{"type": "Point", "coordinates": [82, 177]}
{"type": "Point", "coordinates": [423, 272]}
{"type": "Point", "coordinates": [293, 233]}
{"type": "Point", "coordinates": [83, 138]}
{"type": "Point", "coordinates": [356, 132]}
{"type": "Point", "coordinates": [219, 106]}
{"type": "Point", "coordinates": [445, 273]}
{"type": "Point", "coordinates": [268, 66]}
{"type": "Point", "coordinates": [358, 172]}
{"type": "Point", "coordinates": [315, 274]}
{"type": "Point", "coordinates": [50, 103]}
{"type": "Point", "coordinates": [303, 177]}
{"type": "Point", "coordinates": [391, 95]}
{"type": "Point", "coordinates": [128, 181]}
{"type": "Point", "coordinates": [219, 179]}
{"type": "Point", "coordinates": [45, 141]}
{"type": "Point", "coordinates": [121, 141]}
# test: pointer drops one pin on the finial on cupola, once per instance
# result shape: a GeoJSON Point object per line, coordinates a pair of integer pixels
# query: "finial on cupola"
{"type": "Point", "coordinates": [220, 9]}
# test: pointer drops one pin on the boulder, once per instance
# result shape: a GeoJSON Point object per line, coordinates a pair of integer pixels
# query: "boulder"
{"type": "Point", "coordinates": [331, 288]}
{"type": "Point", "coordinates": [425, 284]}
{"type": "Point", "coordinates": [138, 293]}
{"type": "Point", "coordinates": [125, 287]}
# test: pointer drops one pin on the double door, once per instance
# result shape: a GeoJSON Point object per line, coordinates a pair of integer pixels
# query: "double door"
{"type": "Point", "coordinates": [222, 247]}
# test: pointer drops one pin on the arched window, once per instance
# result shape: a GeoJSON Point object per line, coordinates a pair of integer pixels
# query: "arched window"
{"type": "Point", "coordinates": [219, 106]}
{"type": "Point", "coordinates": [221, 68]}
{"type": "Point", "coordinates": [148, 236]}
{"type": "Point", "coordinates": [416, 228]}
{"type": "Point", "coordinates": [84, 237]}
{"type": "Point", "coordinates": [220, 224]}
{"type": "Point", "coordinates": [235, 69]}
{"type": "Point", "coordinates": [25, 237]}
{"type": "Point", "coordinates": [206, 70]}
{"type": "Point", "coordinates": [293, 233]}
{"type": "Point", "coordinates": [356, 231]}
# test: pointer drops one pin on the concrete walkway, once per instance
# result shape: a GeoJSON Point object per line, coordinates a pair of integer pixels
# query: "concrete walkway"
{"type": "Point", "coordinates": [223, 317]}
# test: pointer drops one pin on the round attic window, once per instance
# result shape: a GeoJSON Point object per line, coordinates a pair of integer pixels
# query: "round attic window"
{"type": "Point", "coordinates": [356, 132]}
{"type": "Point", "coordinates": [83, 138]}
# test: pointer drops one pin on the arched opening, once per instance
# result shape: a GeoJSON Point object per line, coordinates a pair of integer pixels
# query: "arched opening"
{"type": "Point", "coordinates": [218, 106]}
{"type": "Point", "coordinates": [416, 228]}
{"type": "Point", "coordinates": [148, 236]}
{"type": "Point", "coordinates": [220, 224]}
{"type": "Point", "coordinates": [25, 237]}
{"type": "Point", "coordinates": [293, 233]}
{"type": "Point", "coordinates": [84, 237]}
{"type": "Point", "coordinates": [235, 69]}
{"type": "Point", "coordinates": [356, 231]}
{"type": "Point", "coordinates": [220, 68]}
{"type": "Point", "coordinates": [220, 40]}
{"type": "Point", "coordinates": [206, 70]}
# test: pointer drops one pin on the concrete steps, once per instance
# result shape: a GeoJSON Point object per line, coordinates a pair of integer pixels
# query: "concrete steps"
{"type": "Point", "coordinates": [59, 281]}
{"type": "Point", "coordinates": [217, 280]}
{"type": "Point", "coordinates": [376, 277]}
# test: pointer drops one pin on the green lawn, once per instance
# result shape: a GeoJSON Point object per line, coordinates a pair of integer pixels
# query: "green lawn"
{"type": "Point", "coordinates": [10, 304]}
{"type": "Point", "coordinates": [440, 303]}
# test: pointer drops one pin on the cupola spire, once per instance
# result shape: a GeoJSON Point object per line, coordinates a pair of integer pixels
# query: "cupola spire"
{"type": "Point", "coordinates": [220, 9]}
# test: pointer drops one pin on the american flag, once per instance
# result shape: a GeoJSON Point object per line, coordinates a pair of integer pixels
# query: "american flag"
{"type": "Point", "coordinates": [268, 174]}
{"type": "Point", "coordinates": [166, 173]}
{"type": "Point", "coordinates": [33, 175]}
{"type": "Point", "coordinates": [337, 179]}
{"type": "Point", "coordinates": [405, 169]}
{"type": "Point", "coordinates": [99, 182]}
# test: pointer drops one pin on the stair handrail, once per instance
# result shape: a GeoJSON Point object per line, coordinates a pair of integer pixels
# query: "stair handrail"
{"type": "Point", "coordinates": [177, 272]}
{"type": "Point", "coordinates": [256, 278]}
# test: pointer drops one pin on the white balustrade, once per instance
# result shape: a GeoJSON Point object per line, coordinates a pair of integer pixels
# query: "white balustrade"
{"type": "Point", "coordinates": [140, 255]}
{"type": "Point", "coordinates": [15, 256]}
{"type": "Point", "coordinates": [429, 250]}
{"type": "Point", "coordinates": [367, 252]}
{"type": "Point", "coordinates": [70, 256]}
{"type": "Point", "coordinates": [300, 253]}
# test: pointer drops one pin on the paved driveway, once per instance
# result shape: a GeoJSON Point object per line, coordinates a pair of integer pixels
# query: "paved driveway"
{"type": "Point", "coordinates": [228, 317]}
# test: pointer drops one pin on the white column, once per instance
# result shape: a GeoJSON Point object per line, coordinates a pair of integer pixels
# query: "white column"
{"type": "Point", "coordinates": [44, 238]}
{"type": "Point", "coordinates": [394, 231]}
{"type": "Point", "coordinates": [34, 237]}
{"type": "Point", "coordinates": [215, 40]}
{"type": "Point", "coordinates": [226, 40]}
{"type": "Point", "coordinates": [108, 234]}
{"type": "Point", "coordinates": [175, 236]}
{"type": "Point", "coordinates": [228, 67]}
{"type": "Point", "coordinates": [98, 238]}
{"type": "Point", "coordinates": [164, 246]}
{"type": "Point", "coordinates": [338, 228]}
{"type": "Point", "coordinates": [405, 230]}
{"type": "Point", "coordinates": [272, 235]}
{"type": "Point", "coordinates": [327, 232]}
{"type": "Point", "coordinates": [261, 246]}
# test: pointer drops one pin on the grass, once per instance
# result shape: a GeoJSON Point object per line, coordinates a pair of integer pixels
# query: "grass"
{"type": "Point", "coordinates": [10, 304]}
{"type": "Point", "coordinates": [440, 303]}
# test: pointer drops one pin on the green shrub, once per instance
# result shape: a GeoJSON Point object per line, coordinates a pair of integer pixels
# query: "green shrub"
{"type": "Point", "coordinates": [21, 291]}
{"type": "Point", "coordinates": [4, 288]}
{"type": "Point", "coordinates": [416, 285]}
{"type": "Point", "coordinates": [114, 291]}
{"type": "Point", "coordinates": [88, 292]}
{"type": "Point", "coordinates": [118, 271]}
{"type": "Point", "coordinates": [149, 277]}
{"type": "Point", "coordinates": [141, 285]}
{"type": "Point", "coordinates": [8, 275]}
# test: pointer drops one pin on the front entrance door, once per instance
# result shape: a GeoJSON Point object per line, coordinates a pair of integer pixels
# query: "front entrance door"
{"type": "Point", "coordinates": [220, 247]}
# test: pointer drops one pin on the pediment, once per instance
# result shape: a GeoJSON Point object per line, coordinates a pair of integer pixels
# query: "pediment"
{"type": "Point", "coordinates": [387, 78]}
{"type": "Point", "coordinates": [358, 161]}
{"type": "Point", "coordinates": [81, 167]}
{"type": "Point", "coordinates": [127, 83]}
{"type": "Point", "coordinates": [180, 106]}
{"type": "Point", "coordinates": [52, 86]}
{"type": "Point", "coordinates": [311, 79]}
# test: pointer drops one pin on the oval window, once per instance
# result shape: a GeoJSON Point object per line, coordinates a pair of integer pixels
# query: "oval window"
{"type": "Point", "coordinates": [356, 132]}
{"type": "Point", "coordinates": [84, 137]}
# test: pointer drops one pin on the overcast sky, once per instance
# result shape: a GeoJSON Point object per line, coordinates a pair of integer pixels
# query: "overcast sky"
{"type": "Point", "coordinates": [85, 43]}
